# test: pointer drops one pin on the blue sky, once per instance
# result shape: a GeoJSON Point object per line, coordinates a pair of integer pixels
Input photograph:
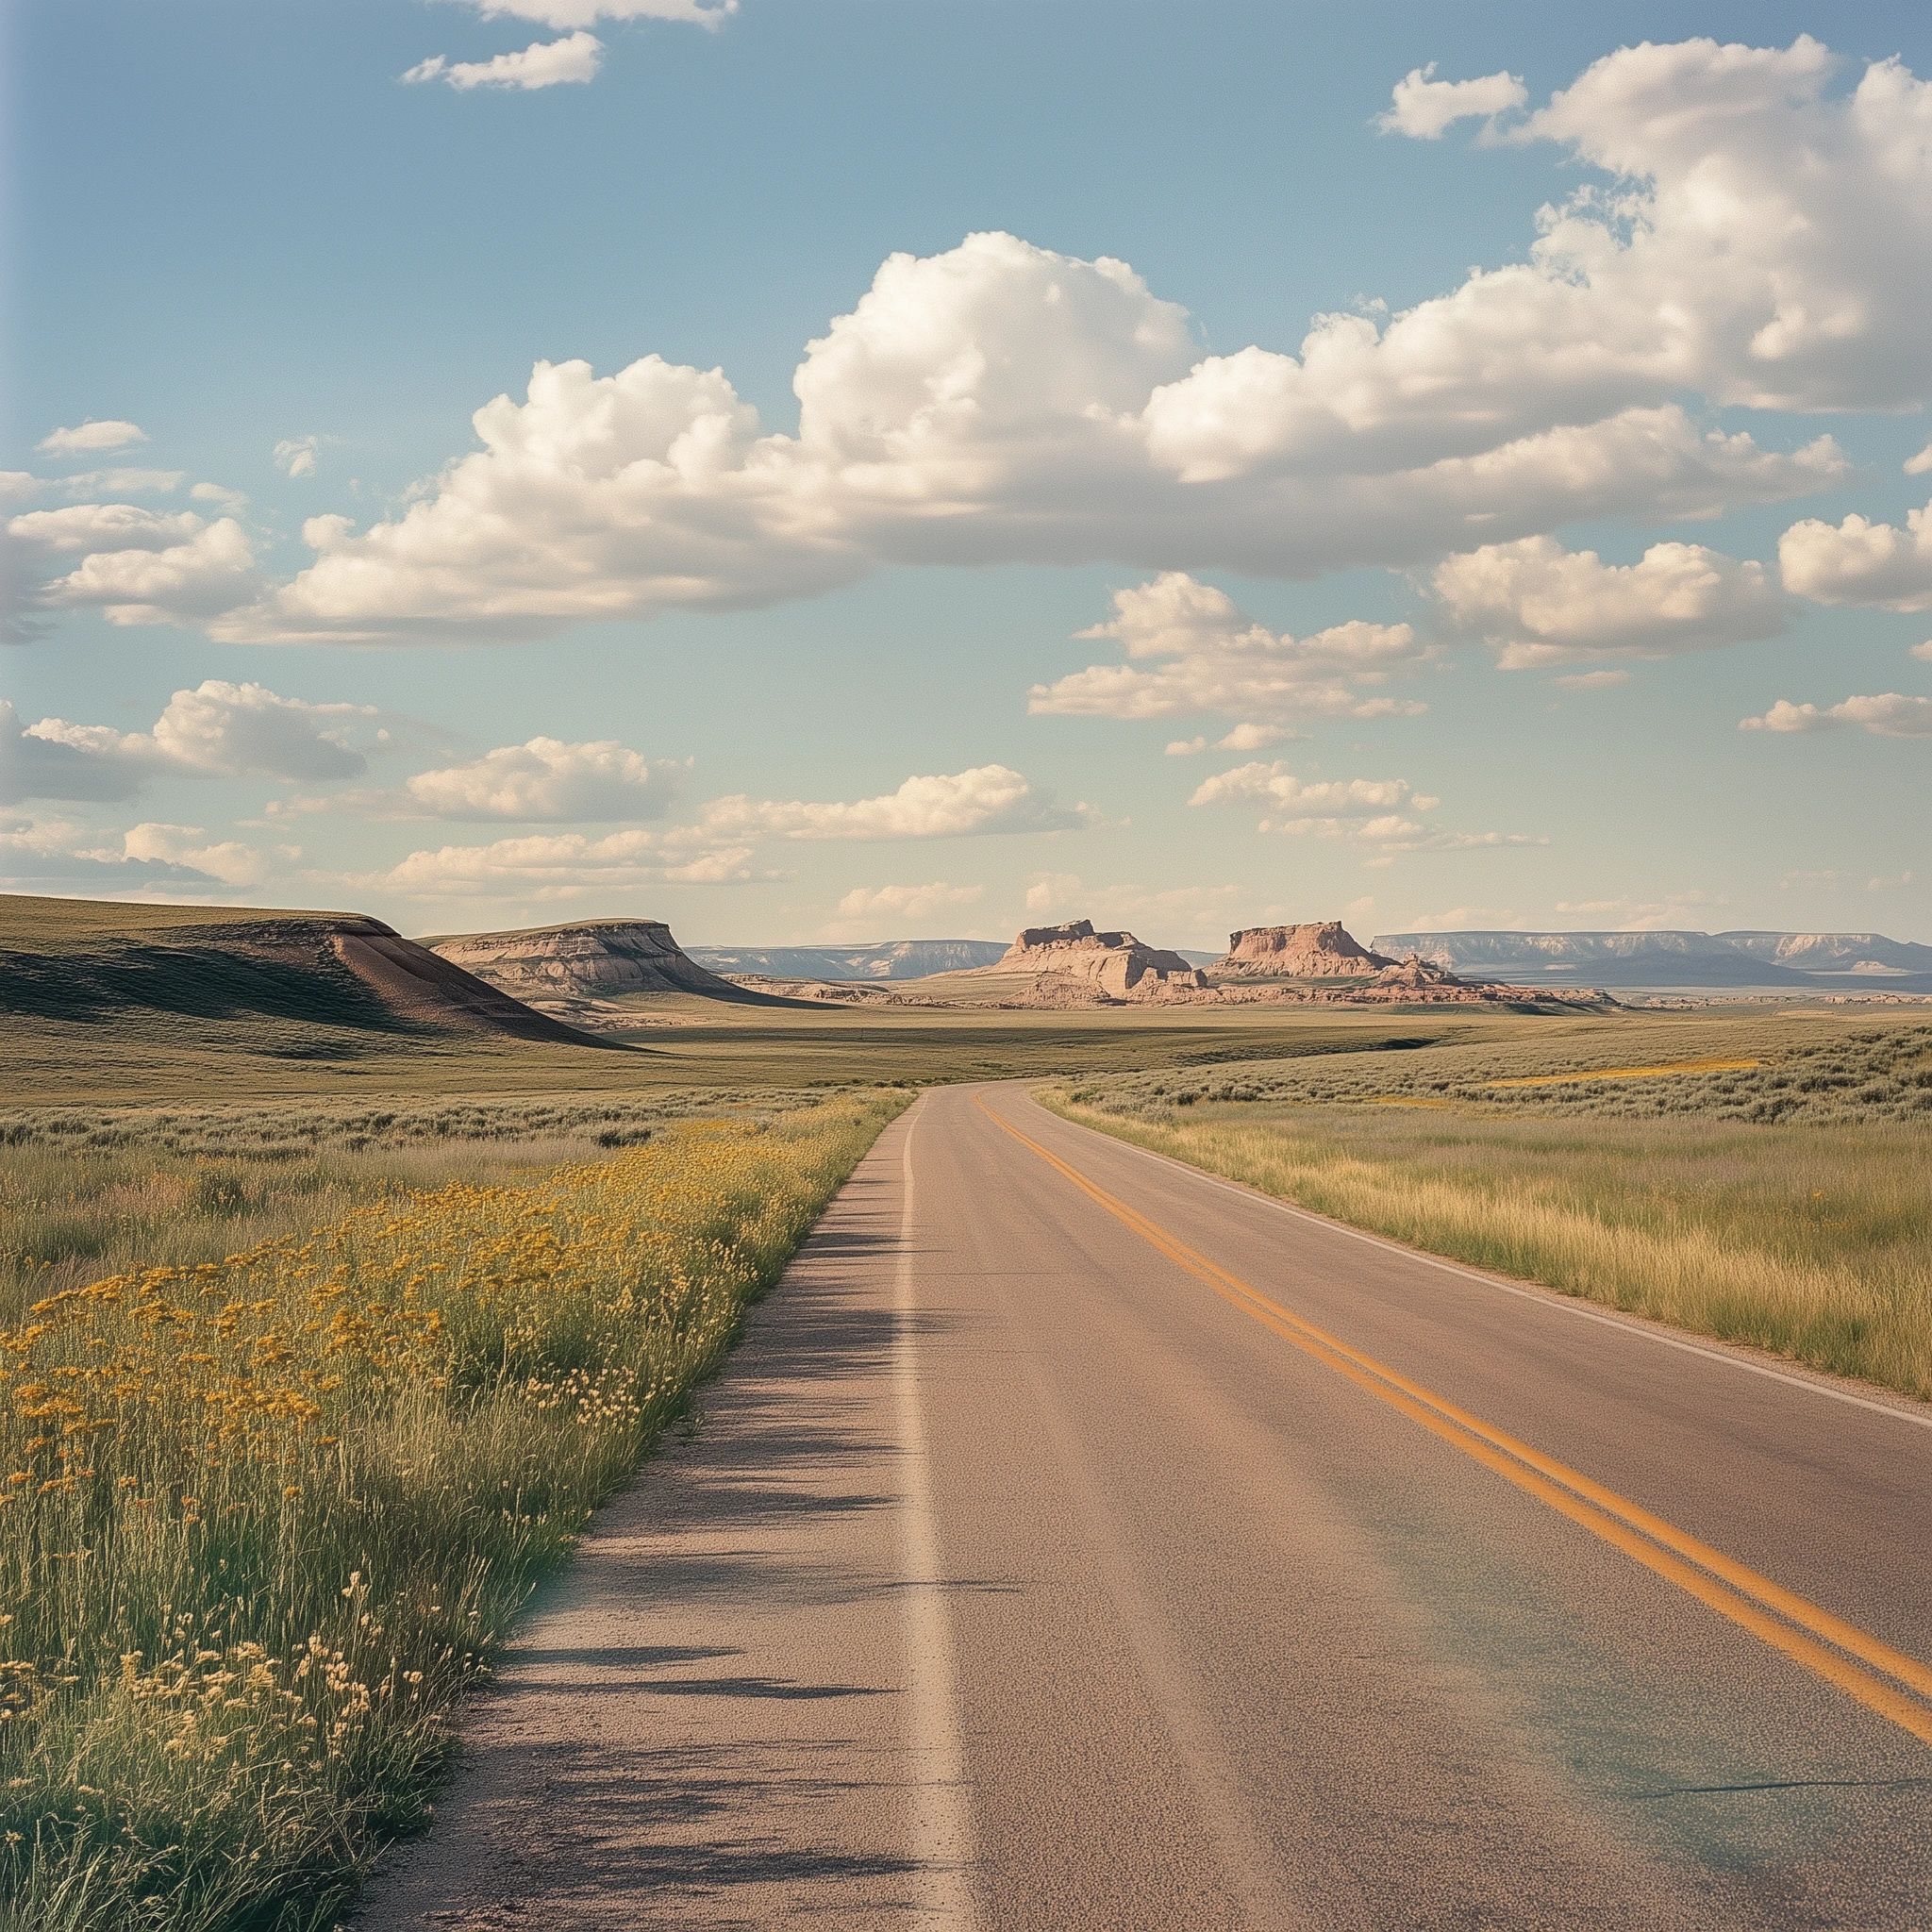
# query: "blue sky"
{"type": "Point", "coordinates": [1564, 577]}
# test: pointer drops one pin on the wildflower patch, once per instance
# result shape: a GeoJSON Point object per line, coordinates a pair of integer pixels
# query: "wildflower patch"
{"type": "Point", "coordinates": [262, 1520]}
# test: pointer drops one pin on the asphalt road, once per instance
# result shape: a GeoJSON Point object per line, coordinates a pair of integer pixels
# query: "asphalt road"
{"type": "Point", "coordinates": [1079, 1542]}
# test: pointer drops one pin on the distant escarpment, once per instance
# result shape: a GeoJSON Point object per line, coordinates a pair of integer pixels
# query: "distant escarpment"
{"type": "Point", "coordinates": [590, 974]}
{"type": "Point", "coordinates": [1319, 950]}
{"type": "Point", "coordinates": [1859, 964]}
{"type": "Point", "coordinates": [887, 960]}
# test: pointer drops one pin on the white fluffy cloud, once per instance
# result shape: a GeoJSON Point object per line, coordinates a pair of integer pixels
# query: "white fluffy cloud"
{"type": "Point", "coordinates": [295, 455]}
{"type": "Point", "coordinates": [57, 856]}
{"type": "Point", "coordinates": [218, 730]}
{"type": "Point", "coordinates": [1536, 603]}
{"type": "Point", "coordinates": [1328, 809]}
{"type": "Point", "coordinates": [1887, 715]}
{"type": "Point", "coordinates": [1371, 812]}
{"type": "Point", "coordinates": [112, 434]}
{"type": "Point", "coordinates": [561, 866]}
{"type": "Point", "coordinates": [905, 903]}
{"type": "Point", "coordinates": [543, 63]}
{"type": "Point", "coordinates": [988, 799]}
{"type": "Point", "coordinates": [1860, 562]}
{"type": "Point", "coordinates": [1764, 239]}
{"type": "Point", "coordinates": [181, 583]}
{"type": "Point", "coordinates": [1201, 651]}
{"type": "Point", "coordinates": [232, 863]}
{"type": "Point", "coordinates": [549, 780]}
{"type": "Point", "coordinates": [102, 527]}
{"type": "Point", "coordinates": [1426, 107]}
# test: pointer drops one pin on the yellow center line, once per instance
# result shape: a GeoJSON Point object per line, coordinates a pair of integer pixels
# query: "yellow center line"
{"type": "Point", "coordinates": [1731, 1587]}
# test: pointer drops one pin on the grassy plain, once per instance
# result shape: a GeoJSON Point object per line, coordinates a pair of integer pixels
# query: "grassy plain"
{"type": "Point", "coordinates": [326, 1327]}
{"type": "Point", "coordinates": [265, 1516]}
{"type": "Point", "coordinates": [1760, 1179]}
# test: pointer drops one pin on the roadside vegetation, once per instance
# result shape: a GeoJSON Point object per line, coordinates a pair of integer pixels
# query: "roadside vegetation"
{"type": "Point", "coordinates": [267, 1512]}
{"type": "Point", "coordinates": [89, 1191]}
{"type": "Point", "coordinates": [1785, 1202]}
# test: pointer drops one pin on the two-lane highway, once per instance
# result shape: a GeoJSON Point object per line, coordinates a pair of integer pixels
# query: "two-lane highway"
{"type": "Point", "coordinates": [1080, 1542]}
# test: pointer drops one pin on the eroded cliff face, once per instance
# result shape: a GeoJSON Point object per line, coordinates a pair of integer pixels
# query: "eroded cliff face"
{"type": "Point", "coordinates": [578, 973]}
{"type": "Point", "coordinates": [1319, 950]}
{"type": "Point", "coordinates": [1114, 963]}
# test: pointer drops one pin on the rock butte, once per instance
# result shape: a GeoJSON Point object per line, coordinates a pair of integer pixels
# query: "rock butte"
{"type": "Point", "coordinates": [1319, 950]}
{"type": "Point", "coordinates": [1115, 963]}
{"type": "Point", "coordinates": [576, 972]}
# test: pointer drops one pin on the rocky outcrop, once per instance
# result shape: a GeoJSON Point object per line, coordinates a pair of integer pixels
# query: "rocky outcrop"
{"type": "Point", "coordinates": [1320, 950]}
{"type": "Point", "coordinates": [1415, 974]}
{"type": "Point", "coordinates": [583, 973]}
{"type": "Point", "coordinates": [1113, 963]}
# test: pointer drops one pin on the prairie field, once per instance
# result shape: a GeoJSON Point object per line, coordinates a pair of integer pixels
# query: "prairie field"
{"type": "Point", "coordinates": [1765, 1181]}
{"type": "Point", "coordinates": [273, 1490]}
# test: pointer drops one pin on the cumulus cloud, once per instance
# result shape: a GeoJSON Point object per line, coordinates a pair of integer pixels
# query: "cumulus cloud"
{"type": "Point", "coordinates": [181, 583]}
{"type": "Point", "coordinates": [232, 863]}
{"type": "Point", "coordinates": [904, 904]}
{"type": "Point", "coordinates": [1328, 809]}
{"type": "Point", "coordinates": [1426, 107]}
{"type": "Point", "coordinates": [987, 800]}
{"type": "Point", "coordinates": [93, 526]}
{"type": "Point", "coordinates": [1887, 715]}
{"type": "Point", "coordinates": [549, 780]}
{"type": "Point", "coordinates": [296, 455]}
{"type": "Point", "coordinates": [1763, 239]}
{"type": "Point", "coordinates": [1860, 562]}
{"type": "Point", "coordinates": [543, 63]}
{"type": "Point", "coordinates": [561, 866]}
{"type": "Point", "coordinates": [230, 503]}
{"type": "Point", "coordinates": [218, 730]}
{"type": "Point", "coordinates": [1918, 465]}
{"type": "Point", "coordinates": [1536, 603]}
{"type": "Point", "coordinates": [1203, 653]}
{"type": "Point", "coordinates": [91, 435]}
{"type": "Point", "coordinates": [57, 856]}
{"type": "Point", "coordinates": [1384, 813]}
{"type": "Point", "coordinates": [997, 403]}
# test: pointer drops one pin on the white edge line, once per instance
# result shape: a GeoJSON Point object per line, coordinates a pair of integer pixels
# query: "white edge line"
{"type": "Point", "coordinates": [942, 1826]}
{"type": "Point", "coordinates": [1544, 1297]}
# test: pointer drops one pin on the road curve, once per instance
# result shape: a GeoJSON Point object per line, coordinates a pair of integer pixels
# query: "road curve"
{"type": "Point", "coordinates": [1078, 1542]}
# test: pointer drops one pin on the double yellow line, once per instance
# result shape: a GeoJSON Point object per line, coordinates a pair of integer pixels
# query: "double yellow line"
{"type": "Point", "coordinates": [1841, 1652]}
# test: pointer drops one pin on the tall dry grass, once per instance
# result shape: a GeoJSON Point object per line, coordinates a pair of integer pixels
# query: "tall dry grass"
{"type": "Point", "coordinates": [89, 1191]}
{"type": "Point", "coordinates": [262, 1518]}
{"type": "Point", "coordinates": [1813, 1243]}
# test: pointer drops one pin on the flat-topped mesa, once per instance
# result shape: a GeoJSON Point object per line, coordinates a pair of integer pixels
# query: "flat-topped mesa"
{"type": "Point", "coordinates": [1319, 950]}
{"type": "Point", "coordinates": [601, 959]}
{"type": "Point", "coordinates": [1114, 962]}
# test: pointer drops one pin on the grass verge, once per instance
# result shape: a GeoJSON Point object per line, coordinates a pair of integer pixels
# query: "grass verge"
{"type": "Point", "coordinates": [266, 1516]}
{"type": "Point", "coordinates": [1813, 1243]}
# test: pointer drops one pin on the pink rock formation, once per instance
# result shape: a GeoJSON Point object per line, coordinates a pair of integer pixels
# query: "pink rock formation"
{"type": "Point", "coordinates": [1317, 951]}
{"type": "Point", "coordinates": [1115, 963]}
